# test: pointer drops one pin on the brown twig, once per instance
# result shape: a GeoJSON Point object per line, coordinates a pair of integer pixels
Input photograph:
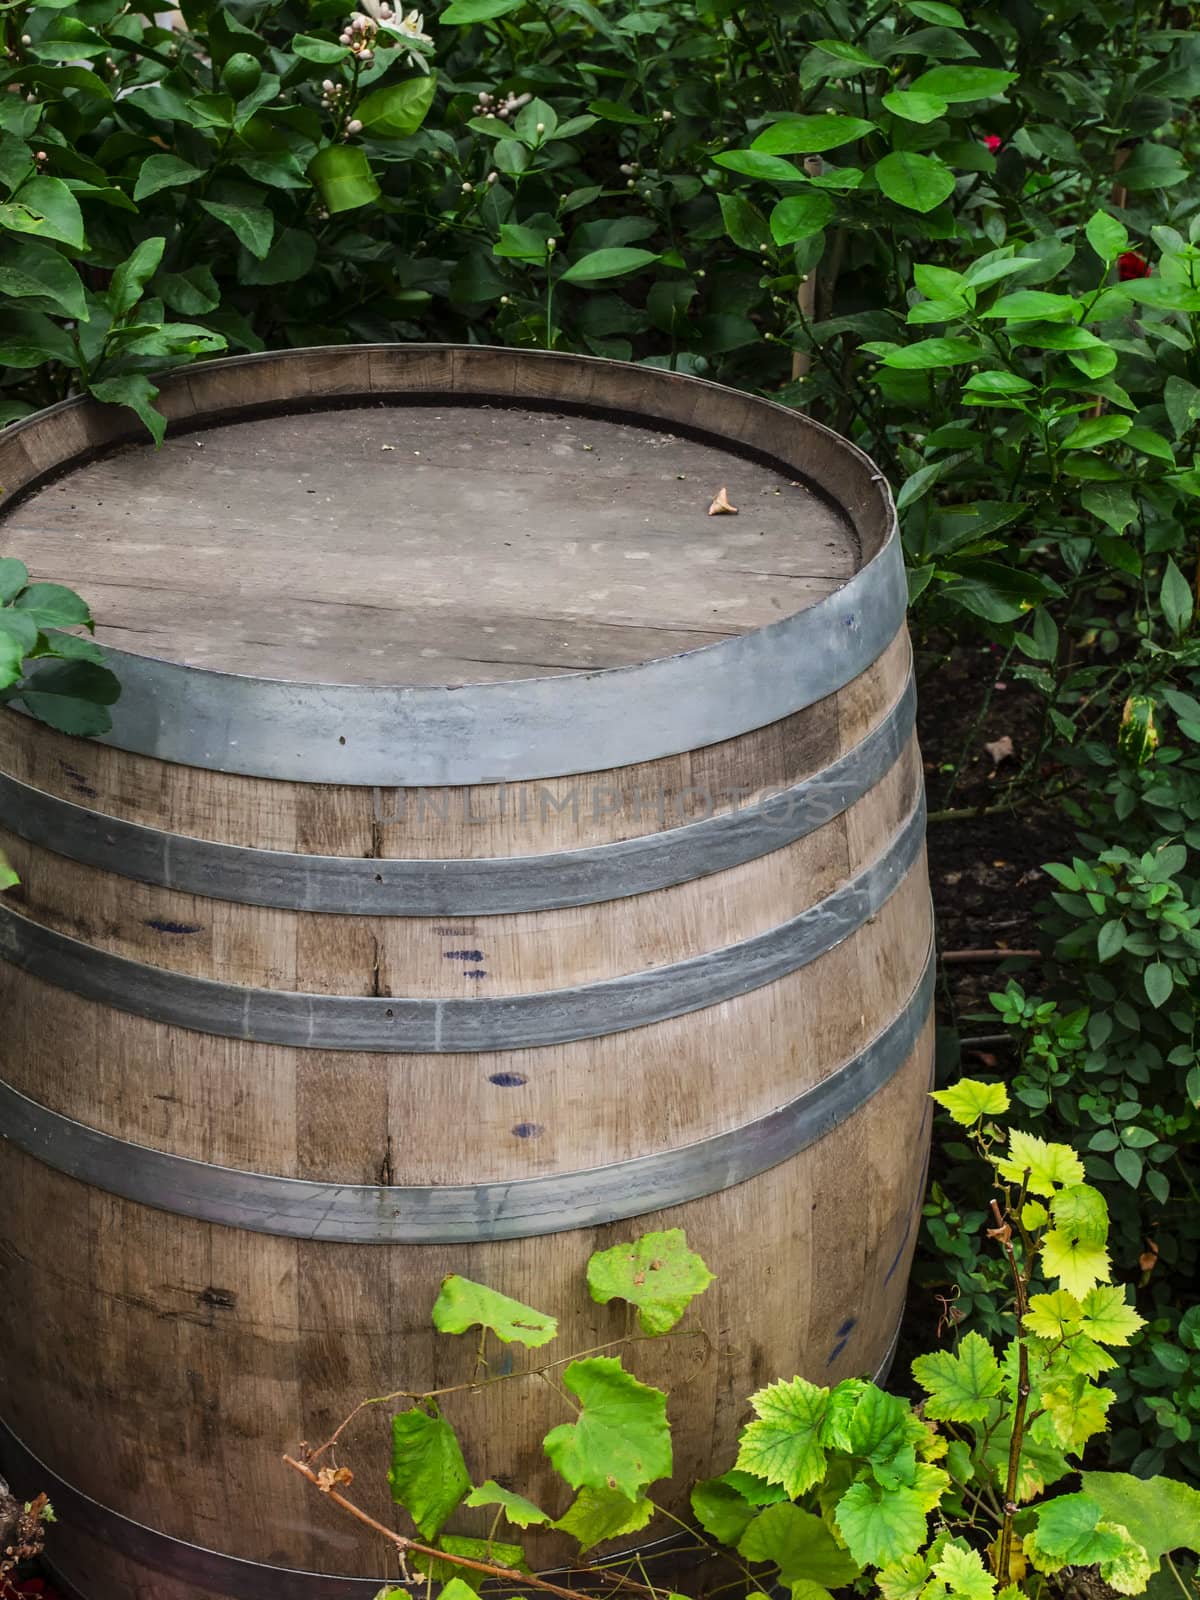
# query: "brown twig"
{"type": "Point", "coordinates": [962, 956]}
{"type": "Point", "coordinates": [407, 1546]}
{"type": "Point", "coordinates": [1003, 1232]}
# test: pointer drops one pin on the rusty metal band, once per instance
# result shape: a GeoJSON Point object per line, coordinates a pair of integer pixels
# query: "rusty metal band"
{"type": "Point", "coordinates": [486, 886]}
{"type": "Point", "coordinates": [399, 1025]}
{"type": "Point", "coordinates": [466, 1213]}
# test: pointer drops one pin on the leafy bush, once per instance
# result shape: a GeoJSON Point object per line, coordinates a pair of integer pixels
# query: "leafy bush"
{"type": "Point", "coordinates": [841, 1487]}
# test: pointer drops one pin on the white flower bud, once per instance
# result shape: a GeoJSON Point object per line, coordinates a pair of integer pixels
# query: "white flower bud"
{"type": "Point", "coordinates": [551, 246]}
{"type": "Point", "coordinates": [763, 249]}
{"type": "Point", "coordinates": [631, 183]}
{"type": "Point", "coordinates": [354, 126]}
{"type": "Point", "coordinates": [541, 127]}
{"type": "Point", "coordinates": [492, 177]}
{"type": "Point", "coordinates": [668, 116]}
{"type": "Point", "coordinates": [367, 57]}
{"type": "Point", "coordinates": [26, 38]}
{"type": "Point", "coordinates": [468, 188]}
{"type": "Point", "coordinates": [328, 86]}
{"type": "Point", "coordinates": [504, 300]}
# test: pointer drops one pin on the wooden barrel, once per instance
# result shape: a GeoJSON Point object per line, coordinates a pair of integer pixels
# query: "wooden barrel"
{"type": "Point", "coordinates": [494, 856]}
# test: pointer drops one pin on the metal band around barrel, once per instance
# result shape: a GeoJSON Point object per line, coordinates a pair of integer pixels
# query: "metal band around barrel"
{"type": "Point", "coordinates": [529, 728]}
{"type": "Point", "coordinates": [353, 885]}
{"type": "Point", "coordinates": [465, 1213]}
{"type": "Point", "coordinates": [230, 1576]}
{"type": "Point", "coordinates": [435, 1026]}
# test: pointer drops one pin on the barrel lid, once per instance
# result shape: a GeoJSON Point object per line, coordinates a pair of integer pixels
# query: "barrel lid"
{"type": "Point", "coordinates": [420, 530]}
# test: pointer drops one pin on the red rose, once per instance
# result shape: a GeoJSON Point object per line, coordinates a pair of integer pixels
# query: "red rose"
{"type": "Point", "coordinates": [1132, 265]}
{"type": "Point", "coordinates": [992, 141]}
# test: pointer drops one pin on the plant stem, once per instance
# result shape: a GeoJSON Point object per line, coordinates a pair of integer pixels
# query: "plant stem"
{"type": "Point", "coordinates": [408, 1546]}
{"type": "Point", "coordinates": [1004, 1556]}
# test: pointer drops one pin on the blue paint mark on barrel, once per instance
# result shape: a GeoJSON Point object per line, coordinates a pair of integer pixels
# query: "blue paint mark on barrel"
{"type": "Point", "coordinates": [475, 972]}
{"type": "Point", "coordinates": [474, 956]}
{"type": "Point", "coordinates": [160, 926]}
{"type": "Point", "coordinates": [527, 1130]}
{"type": "Point", "coordinates": [843, 1339]}
{"type": "Point", "coordinates": [507, 1080]}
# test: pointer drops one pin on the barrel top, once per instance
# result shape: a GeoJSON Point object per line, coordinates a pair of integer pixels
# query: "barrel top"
{"type": "Point", "coordinates": [429, 541]}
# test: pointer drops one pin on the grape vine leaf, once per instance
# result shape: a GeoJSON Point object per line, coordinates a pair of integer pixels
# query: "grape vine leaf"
{"type": "Point", "coordinates": [1161, 1514]}
{"type": "Point", "coordinates": [1053, 1316]}
{"type": "Point", "coordinates": [721, 1511]}
{"type": "Point", "coordinates": [903, 1579]}
{"type": "Point", "coordinates": [1082, 1212]}
{"type": "Point", "coordinates": [622, 1439]}
{"type": "Point", "coordinates": [880, 1425]}
{"type": "Point", "coordinates": [961, 1386]}
{"type": "Point", "coordinates": [489, 1550]}
{"type": "Point", "coordinates": [1078, 1264]}
{"type": "Point", "coordinates": [520, 1512]}
{"type": "Point", "coordinates": [880, 1525]}
{"type": "Point", "coordinates": [462, 1304]}
{"type": "Point", "coordinates": [959, 1574]}
{"type": "Point", "coordinates": [428, 1475]}
{"type": "Point", "coordinates": [1049, 1165]}
{"type": "Point", "coordinates": [1107, 1317]}
{"type": "Point", "coordinates": [968, 1101]}
{"type": "Point", "coordinates": [783, 1444]}
{"type": "Point", "coordinates": [599, 1514]}
{"type": "Point", "coordinates": [1078, 1409]}
{"type": "Point", "coordinates": [1071, 1530]}
{"type": "Point", "coordinates": [657, 1273]}
{"type": "Point", "coordinates": [800, 1545]}
{"type": "Point", "coordinates": [1131, 1571]}
{"type": "Point", "coordinates": [754, 1490]}
{"type": "Point", "coordinates": [1042, 1461]}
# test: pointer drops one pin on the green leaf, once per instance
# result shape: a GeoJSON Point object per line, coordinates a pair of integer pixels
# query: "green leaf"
{"type": "Point", "coordinates": [1153, 166]}
{"type": "Point", "coordinates": [755, 164]}
{"type": "Point", "coordinates": [462, 1304]}
{"type": "Point", "coordinates": [881, 1525]}
{"type": "Point", "coordinates": [929, 354]}
{"type": "Point", "coordinates": [782, 1445]}
{"type": "Point", "coordinates": [1150, 443]}
{"type": "Point", "coordinates": [1107, 237]}
{"type": "Point", "coordinates": [463, 12]}
{"type": "Point", "coordinates": [254, 225]}
{"type": "Point", "coordinates": [611, 263]}
{"type": "Point", "coordinates": [1107, 1317]}
{"type": "Point", "coordinates": [1050, 1165]}
{"type": "Point", "coordinates": [933, 11]}
{"type": "Point", "coordinates": [622, 1439]}
{"type": "Point", "coordinates": [959, 1574]}
{"type": "Point", "coordinates": [428, 1475]}
{"type": "Point", "coordinates": [163, 172]}
{"type": "Point", "coordinates": [852, 56]}
{"type": "Point", "coordinates": [1071, 1529]}
{"type": "Point", "coordinates": [961, 1386]}
{"type": "Point", "coordinates": [721, 1511]}
{"type": "Point", "coordinates": [133, 274]}
{"type": "Point", "coordinates": [324, 52]}
{"type": "Point", "coordinates": [968, 1101]}
{"type": "Point", "coordinates": [46, 207]}
{"type": "Point", "coordinates": [599, 1514]}
{"type": "Point", "coordinates": [14, 575]}
{"type": "Point", "coordinates": [1161, 1514]}
{"type": "Point", "coordinates": [1053, 1316]}
{"type": "Point", "coordinates": [1031, 305]}
{"type": "Point", "coordinates": [1175, 598]}
{"type": "Point", "coordinates": [136, 391]}
{"type": "Point", "coordinates": [1077, 1409]}
{"type": "Point", "coordinates": [399, 110]}
{"type": "Point", "coordinates": [71, 696]}
{"type": "Point", "coordinates": [745, 225]}
{"type": "Point", "coordinates": [8, 878]}
{"type": "Point", "coordinates": [1093, 431]}
{"type": "Point", "coordinates": [520, 1512]}
{"type": "Point", "coordinates": [917, 182]}
{"type": "Point", "coordinates": [805, 136]}
{"type": "Point", "coordinates": [520, 243]}
{"type": "Point", "coordinates": [39, 273]}
{"type": "Point", "coordinates": [50, 605]}
{"type": "Point", "coordinates": [915, 107]}
{"type": "Point", "coordinates": [1159, 981]}
{"type": "Point", "coordinates": [799, 216]}
{"type": "Point", "coordinates": [342, 175]}
{"type": "Point", "coordinates": [955, 84]}
{"type": "Point", "coordinates": [998, 383]}
{"type": "Point", "coordinates": [454, 1544]}
{"type": "Point", "coordinates": [1079, 1264]}
{"type": "Point", "coordinates": [1182, 400]}
{"type": "Point", "coordinates": [800, 1545]}
{"type": "Point", "coordinates": [657, 1273]}
{"type": "Point", "coordinates": [1112, 503]}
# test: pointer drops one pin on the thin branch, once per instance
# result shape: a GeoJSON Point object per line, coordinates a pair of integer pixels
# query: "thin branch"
{"type": "Point", "coordinates": [489, 1569]}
